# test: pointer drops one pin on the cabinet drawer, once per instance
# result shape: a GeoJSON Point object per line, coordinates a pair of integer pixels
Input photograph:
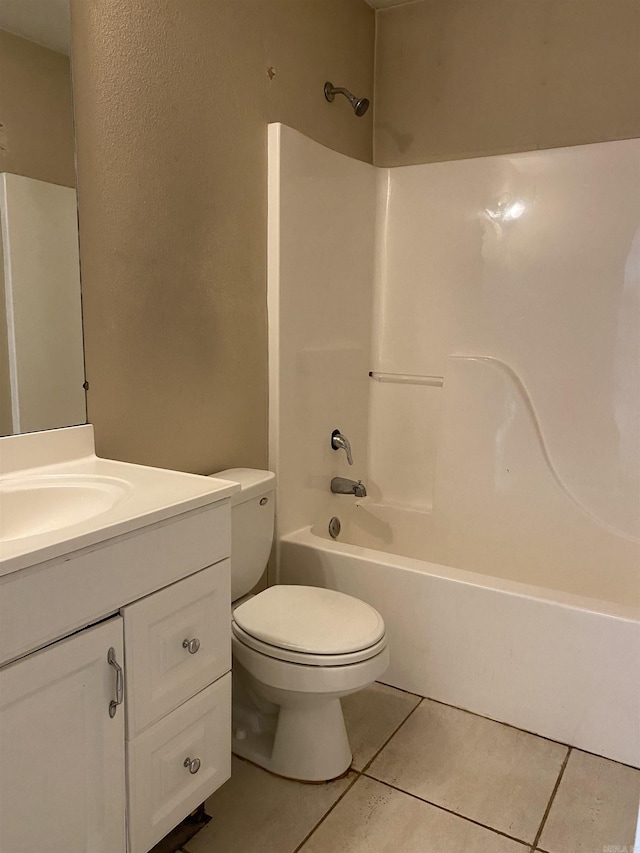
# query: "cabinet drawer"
{"type": "Point", "coordinates": [35, 605]}
{"type": "Point", "coordinates": [162, 671]}
{"type": "Point", "coordinates": [162, 790]}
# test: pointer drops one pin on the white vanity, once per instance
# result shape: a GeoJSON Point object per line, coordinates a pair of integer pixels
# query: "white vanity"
{"type": "Point", "coordinates": [115, 658]}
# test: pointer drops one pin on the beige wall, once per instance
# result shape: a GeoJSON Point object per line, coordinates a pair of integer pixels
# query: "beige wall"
{"type": "Point", "coordinates": [36, 136]}
{"type": "Point", "coordinates": [172, 103]}
{"type": "Point", "coordinates": [465, 78]}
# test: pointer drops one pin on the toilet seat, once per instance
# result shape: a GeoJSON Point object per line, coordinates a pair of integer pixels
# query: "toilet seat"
{"type": "Point", "coordinates": [307, 658]}
{"type": "Point", "coordinates": [307, 679]}
{"type": "Point", "coordinates": [303, 624]}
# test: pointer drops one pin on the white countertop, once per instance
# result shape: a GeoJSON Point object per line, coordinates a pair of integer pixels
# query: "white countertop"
{"type": "Point", "coordinates": [150, 495]}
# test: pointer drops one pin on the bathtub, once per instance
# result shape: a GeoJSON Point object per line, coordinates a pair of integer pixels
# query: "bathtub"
{"type": "Point", "coordinates": [551, 661]}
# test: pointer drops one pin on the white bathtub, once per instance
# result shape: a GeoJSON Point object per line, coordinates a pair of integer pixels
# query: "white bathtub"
{"type": "Point", "coordinates": [549, 661]}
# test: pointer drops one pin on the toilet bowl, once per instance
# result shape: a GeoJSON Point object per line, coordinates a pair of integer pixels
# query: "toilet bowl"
{"type": "Point", "coordinates": [296, 651]}
{"type": "Point", "coordinates": [300, 733]}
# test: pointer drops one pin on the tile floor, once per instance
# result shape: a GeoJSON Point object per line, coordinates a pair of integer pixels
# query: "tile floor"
{"type": "Point", "coordinates": [428, 778]}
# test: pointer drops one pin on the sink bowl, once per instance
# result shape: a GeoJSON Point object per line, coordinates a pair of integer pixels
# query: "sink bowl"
{"type": "Point", "coordinates": [35, 505]}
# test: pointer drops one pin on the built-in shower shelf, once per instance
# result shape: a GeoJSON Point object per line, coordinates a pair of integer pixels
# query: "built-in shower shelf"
{"type": "Point", "coordinates": [407, 378]}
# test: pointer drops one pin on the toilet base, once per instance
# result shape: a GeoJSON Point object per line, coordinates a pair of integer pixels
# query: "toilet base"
{"type": "Point", "coordinates": [287, 716]}
{"type": "Point", "coordinates": [305, 739]}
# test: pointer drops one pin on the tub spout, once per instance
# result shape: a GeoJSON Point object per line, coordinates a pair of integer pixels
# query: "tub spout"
{"type": "Point", "coordinates": [344, 486]}
{"type": "Point", "coordinates": [359, 490]}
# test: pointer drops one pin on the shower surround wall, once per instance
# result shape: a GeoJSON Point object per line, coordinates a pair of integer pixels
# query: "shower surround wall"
{"type": "Point", "coordinates": [321, 239]}
{"type": "Point", "coordinates": [529, 260]}
{"type": "Point", "coordinates": [533, 260]}
{"type": "Point", "coordinates": [498, 434]}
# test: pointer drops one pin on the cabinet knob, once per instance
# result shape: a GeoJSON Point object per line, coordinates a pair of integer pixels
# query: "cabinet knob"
{"type": "Point", "coordinates": [191, 645]}
{"type": "Point", "coordinates": [192, 763]}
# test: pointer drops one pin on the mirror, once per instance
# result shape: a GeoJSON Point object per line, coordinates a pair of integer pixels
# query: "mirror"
{"type": "Point", "coordinates": [42, 383]}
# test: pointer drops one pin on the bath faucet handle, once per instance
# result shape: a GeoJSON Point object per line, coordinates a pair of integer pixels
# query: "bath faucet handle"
{"type": "Point", "coordinates": [341, 442]}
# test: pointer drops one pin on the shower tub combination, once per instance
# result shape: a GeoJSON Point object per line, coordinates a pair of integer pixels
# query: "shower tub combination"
{"type": "Point", "coordinates": [499, 536]}
{"type": "Point", "coordinates": [508, 597]}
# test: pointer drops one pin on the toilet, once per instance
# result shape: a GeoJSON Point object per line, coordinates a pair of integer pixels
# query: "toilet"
{"type": "Point", "coordinates": [296, 651]}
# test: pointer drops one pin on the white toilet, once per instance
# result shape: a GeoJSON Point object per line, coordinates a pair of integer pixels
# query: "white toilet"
{"type": "Point", "coordinates": [296, 651]}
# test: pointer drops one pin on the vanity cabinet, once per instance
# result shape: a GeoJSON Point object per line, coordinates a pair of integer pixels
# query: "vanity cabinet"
{"type": "Point", "coordinates": [97, 761]}
{"type": "Point", "coordinates": [62, 755]}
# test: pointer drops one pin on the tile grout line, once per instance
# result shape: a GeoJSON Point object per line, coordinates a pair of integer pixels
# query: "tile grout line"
{"type": "Point", "coordinates": [358, 775]}
{"type": "Point", "coordinates": [391, 736]}
{"type": "Point", "coordinates": [551, 799]}
{"type": "Point", "coordinates": [401, 689]}
{"type": "Point", "coordinates": [328, 812]}
{"type": "Point", "coordinates": [449, 811]}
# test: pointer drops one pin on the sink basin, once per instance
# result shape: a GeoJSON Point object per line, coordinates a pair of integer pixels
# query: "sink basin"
{"type": "Point", "coordinates": [34, 505]}
{"type": "Point", "coordinates": [58, 498]}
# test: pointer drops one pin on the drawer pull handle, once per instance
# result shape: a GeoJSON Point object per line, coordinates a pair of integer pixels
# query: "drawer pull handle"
{"type": "Point", "coordinates": [191, 645]}
{"type": "Point", "coordinates": [192, 763]}
{"type": "Point", "coordinates": [111, 660]}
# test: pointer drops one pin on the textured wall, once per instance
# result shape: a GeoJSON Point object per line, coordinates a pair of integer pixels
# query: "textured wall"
{"type": "Point", "coordinates": [172, 101]}
{"type": "Point", "coordinates": [36, 136]}
{"type": "Point", "coordinates": [465, 78]}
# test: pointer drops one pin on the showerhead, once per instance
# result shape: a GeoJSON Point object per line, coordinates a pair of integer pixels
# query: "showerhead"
{"type": "Point", "coordinates": [360, 105]}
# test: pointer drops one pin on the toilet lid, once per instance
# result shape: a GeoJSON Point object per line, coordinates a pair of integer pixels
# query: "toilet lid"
{"type": "Point", "coordinates": [310, 619]}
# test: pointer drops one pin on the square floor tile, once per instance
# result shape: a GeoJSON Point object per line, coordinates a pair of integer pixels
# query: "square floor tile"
{"type": "Point", "coordinates": [372, 818]}
{"type": "Point", "coordinates": [499, 776]}
{"type": "Point", "coordinates": [256, 812]}
{"type": "Point", "coordinates": [595, 808]}
{"type": "Point", "coordinates": [371, 716]}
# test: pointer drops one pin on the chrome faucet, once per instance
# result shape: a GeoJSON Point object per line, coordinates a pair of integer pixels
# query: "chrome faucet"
{"type": "Point", "coordinates": [344, 486]}
{"type": "Point", "coordinates": [341, 442]}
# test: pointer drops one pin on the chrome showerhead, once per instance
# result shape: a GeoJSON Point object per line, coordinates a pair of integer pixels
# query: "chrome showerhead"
{"type": "Point", "coordinates": [360, 105]}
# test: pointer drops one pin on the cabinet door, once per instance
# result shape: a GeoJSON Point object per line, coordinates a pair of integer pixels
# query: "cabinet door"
{"type": "Point", "coordinates": [61, 753]}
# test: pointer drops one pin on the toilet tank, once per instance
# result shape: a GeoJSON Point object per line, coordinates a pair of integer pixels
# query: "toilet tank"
{"type": "Point", "coordinates": [252, 519]}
